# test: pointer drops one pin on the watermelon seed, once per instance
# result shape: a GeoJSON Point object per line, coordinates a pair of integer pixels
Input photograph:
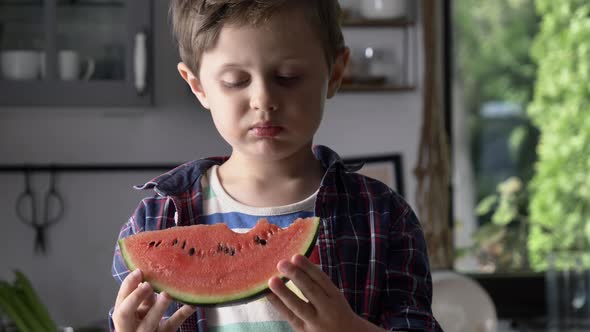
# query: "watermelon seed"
{"type": "Point", "coordinates": [257, 239]}
{"type": "Point", "coordinates": [183, 244]}
{"type": "Point", "coordinates": [233, 251]}
{"type": "Point", "coordinates": [151, 244]}
{"type": "Point", "coordinates": [191, 251]}
{"type": "Point", "coordinates": [263, 242]}
{"type": "Point", "coordinates": [158, 243]}
{"type": "Point", "coordinates": [174, 242]}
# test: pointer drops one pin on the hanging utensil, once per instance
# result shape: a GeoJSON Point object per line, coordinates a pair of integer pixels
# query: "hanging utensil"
{"type": "Point", "coordinates": [53, 208]}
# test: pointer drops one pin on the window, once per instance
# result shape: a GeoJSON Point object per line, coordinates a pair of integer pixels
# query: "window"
{"type": "Point", "coordinates": [494, 141]}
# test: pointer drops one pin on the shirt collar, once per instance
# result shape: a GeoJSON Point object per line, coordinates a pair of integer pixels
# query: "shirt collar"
{"type": "Point", "coordinates": [181, 178]}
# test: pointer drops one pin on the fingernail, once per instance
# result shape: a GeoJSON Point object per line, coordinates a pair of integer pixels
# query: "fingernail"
{"type": "Point", "coordinates": [284, 266]}
{"type": "Point", "coordinates": [296, 258]}
{"type": "Point", "coordinates": [145, 285]}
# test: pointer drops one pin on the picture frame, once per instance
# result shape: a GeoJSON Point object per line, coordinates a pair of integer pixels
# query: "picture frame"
{"type": "Point", "coordinates": [386, 168]}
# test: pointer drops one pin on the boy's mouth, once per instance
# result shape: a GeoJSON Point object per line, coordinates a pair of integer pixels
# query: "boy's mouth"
{"type": "Point", "coordinates": [266, 130]}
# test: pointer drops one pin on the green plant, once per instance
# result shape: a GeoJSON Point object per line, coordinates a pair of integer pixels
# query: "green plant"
{"type": "Point", "coordinates": [493, 50]}
{"type": "Point", "coordinates": [500, 244]}
{"type": "Point", "coordinates": [19, 301]}
{"type": "Point", "coordinates": [560, 201]}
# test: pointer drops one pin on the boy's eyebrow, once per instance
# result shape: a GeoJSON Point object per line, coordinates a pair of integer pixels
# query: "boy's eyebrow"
{"type": "Point", "coordinates": [236, 65]}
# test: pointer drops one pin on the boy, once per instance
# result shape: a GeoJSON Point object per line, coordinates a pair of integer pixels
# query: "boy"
{"type": "Point", "coordinates": [264, 69]}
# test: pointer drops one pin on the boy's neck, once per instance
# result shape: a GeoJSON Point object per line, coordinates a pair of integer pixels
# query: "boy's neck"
{"type": "Point", "coordinates": [263, 183]}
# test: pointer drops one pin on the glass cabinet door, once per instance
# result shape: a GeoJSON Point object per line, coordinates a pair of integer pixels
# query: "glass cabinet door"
{"type": "Point", "coordinates": [90, 52]}
{"type": "Point", "coordinates": [91, 40]}
{"type": "Point", "coordinates": [22, 39]}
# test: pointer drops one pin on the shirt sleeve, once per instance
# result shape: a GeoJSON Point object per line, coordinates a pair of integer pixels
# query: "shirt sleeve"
{"type": "Point", "coordinates": [408, 298]}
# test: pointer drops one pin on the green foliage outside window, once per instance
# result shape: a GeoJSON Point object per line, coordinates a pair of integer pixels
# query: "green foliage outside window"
{"type": "Point", "coordinates": [560, 202]}
{"type": "Point", "coordinates": [501, 244]}
{"type": "Point", "coordinates": [493, 64]}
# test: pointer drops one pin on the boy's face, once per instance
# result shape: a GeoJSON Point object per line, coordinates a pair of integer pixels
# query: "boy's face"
{"type": "Point", "coordinates": [266, 86]}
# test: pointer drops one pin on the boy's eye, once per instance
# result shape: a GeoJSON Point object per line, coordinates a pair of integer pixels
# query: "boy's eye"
{"type": "Point", "coordinates": [235, 84]}
{"type": "Point", "coordinates": [287, 79]}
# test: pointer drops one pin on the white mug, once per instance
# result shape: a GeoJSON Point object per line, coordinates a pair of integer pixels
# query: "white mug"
{"type": "Point", "coordinates": [70, 64]}
{"type": "Point", "coordinates": [20, 64]}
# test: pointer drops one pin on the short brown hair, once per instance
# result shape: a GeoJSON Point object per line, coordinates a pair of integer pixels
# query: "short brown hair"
{"type": "Point", "coordinates": [196, 24]}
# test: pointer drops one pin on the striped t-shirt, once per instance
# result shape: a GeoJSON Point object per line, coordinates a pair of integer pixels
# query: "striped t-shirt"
{"type": "Point", "coordinates": [218, 206]}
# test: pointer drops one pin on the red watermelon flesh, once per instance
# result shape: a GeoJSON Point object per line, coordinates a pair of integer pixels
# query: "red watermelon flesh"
{"type": "Point", "coordinates": [211, 264]}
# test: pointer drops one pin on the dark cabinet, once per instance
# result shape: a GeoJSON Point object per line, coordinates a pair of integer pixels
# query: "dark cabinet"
{"type": "Point", "coordinates": [76, 53]}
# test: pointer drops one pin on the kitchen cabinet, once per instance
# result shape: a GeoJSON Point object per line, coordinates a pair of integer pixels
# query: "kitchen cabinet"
{"type": "Point", "coordinates": [75, 53]}
{"type": "Point", "coordinates": [387, 65]}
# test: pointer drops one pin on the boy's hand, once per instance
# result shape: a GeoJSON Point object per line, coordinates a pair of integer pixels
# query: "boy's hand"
{"type": "Point", "coordinates": [137, 308]}
{"type": "Point", "coordinates": [327, 309]}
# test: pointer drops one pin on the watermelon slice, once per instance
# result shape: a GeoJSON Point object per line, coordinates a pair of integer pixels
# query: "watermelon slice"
{"type": "Point", "coordinates": [211, 264]}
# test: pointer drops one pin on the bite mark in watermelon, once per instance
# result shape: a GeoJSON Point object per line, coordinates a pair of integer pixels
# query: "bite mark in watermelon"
{"type": "Point", "coordinates": [211, 264]}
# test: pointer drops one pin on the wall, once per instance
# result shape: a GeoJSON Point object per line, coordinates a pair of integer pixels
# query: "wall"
{"type": "Point", "coordinates": [74, 278]}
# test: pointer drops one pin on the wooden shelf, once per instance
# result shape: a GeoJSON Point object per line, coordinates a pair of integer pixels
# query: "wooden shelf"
{"type": "Point", "coordinates": [358, 87]}
{"type": "Point", "coordinates": [387, 23]}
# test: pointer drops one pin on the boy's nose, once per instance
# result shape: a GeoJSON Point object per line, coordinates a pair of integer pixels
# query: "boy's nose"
{"type": "Point", "coordinates": [262, 98]}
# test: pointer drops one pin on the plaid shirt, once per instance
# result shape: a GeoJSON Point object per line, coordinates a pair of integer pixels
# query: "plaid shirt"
{"type": "Point", "coordinates": [370, 243]}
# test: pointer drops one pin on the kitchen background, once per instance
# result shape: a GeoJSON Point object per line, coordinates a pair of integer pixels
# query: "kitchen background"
{"type": "Point", "coordinates": [73, 278]}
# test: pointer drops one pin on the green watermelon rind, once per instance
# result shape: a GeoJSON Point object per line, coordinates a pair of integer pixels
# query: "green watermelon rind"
{"type": "Point", "coordinates": [210, 301]}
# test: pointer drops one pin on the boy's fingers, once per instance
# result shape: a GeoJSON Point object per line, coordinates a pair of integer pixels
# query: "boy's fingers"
{"type": "Point", "coordinates": [300, 308]}
{"type": "Point", "coordinates": [146, 305]}
{"type": "Point", "coordinates": [316, 274]}
{"type": "Point", "coordinates": [310, 289]}
{"type": "Point", "coordinates": [128, 307]}
{"type": "Point", "coordinates": [128, 285]}
{"type": "Point", "coordinates": [285, 312]}
{"type": "Point", "coordinates": [173, 323]}
{"type": "Point", "coordinates": [155, 314]}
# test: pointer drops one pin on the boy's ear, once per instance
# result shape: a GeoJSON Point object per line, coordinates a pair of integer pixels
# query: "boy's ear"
{"type": "Point", "coordinates": [337, 73]}
{"type": "Point", "coordinates": [194, 83]}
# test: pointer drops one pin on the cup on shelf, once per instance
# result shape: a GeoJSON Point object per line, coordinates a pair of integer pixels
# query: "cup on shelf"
{"type": "Point", "coordinates": [383, 9]}
{"type": "Point", "coordinates": [20, 64]}
{"type": "Point", "coordinates": [71, 66]}
{"type": "Point", "coordinates": [375, 65]}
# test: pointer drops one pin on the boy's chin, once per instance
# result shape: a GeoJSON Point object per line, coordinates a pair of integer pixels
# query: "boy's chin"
{"type": "Point", "coordinates": [275, 150]}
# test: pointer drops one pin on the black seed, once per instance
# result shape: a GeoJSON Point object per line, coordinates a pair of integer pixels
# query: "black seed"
{"type": "Point", "coordinates": [183, 244]}
{"type": "Point", "coordinates": [152, 244]}
{"type": "Point", "coordinates": [158, 243]}
{"type": "Point", "coordinates": [257, 239]}
{"type": "Point", "coordinates": [263, 242]}
{"type": "Point", "coordinates": [191, 251]}
{"type": "Point", "coordinates": [233, 251]}
{"type": "Point", "coordinates": [174, 242]}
